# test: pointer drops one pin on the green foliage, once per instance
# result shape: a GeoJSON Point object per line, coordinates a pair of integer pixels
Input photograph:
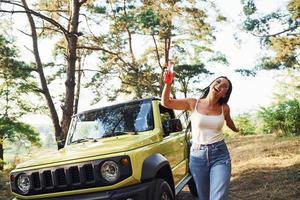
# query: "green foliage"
{"type": "Point", "coordinates": [221, 18]}
{"type": "Point", "coordinates": [245, 124]}
{"type": "Point", "coordinates": [185, 73]}
{"type": "Point", "coordinates": [245, 72]}
{"type": "Point", "coordinates": [164, 26]}
{"type": "Point", "coordinates": [14, 130]}
{"type": "Point", "coordinates": [268, 64]}
{"type": "Point", "coordinates": [294, 9]}
{"type": "Point", "coordinates": [250, 24]}
{"type": "Point", "coordinates": [249, 7]}
{"type": "Point", "coordinates": [219, 58]}
{"type": "Point", "coordinates": [16, 81]}
{"type": "Point", "coordinates": [282, 118]}
{"type": "Point", "coordinates": [283, 41]}
{"type": "Point", "coordinates": [287, 86]}
{"type": "Point", "coordinates": [149, 20]}
{"type": "Point", "coordinates": [99, 9]}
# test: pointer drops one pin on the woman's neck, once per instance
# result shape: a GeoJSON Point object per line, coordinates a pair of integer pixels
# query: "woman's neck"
{"type": "Point", "coordinates": [211, 100]}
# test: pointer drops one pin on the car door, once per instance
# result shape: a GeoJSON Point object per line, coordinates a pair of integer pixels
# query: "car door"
{"type": "Point", "coordinates": [175, 147]}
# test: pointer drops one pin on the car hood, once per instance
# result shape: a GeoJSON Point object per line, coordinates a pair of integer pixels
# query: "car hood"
{"type": "Point", "coordinates": [87, 150]}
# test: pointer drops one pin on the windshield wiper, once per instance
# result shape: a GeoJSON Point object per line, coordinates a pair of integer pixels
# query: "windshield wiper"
{"type": "Point", "coordinates": [117, 133]}
{"type": "Point", "coordinates": [83, 140]}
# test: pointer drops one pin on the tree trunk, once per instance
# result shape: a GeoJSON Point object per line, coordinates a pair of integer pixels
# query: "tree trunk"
{"type": "Point", "coordinates": [1, 154]}
{"type": "Point", "coordinates": [45, 90]}
{"type": "Point", "coordinates": [78, 85]}
{"type": "Point", "coordinates": [71, 56]}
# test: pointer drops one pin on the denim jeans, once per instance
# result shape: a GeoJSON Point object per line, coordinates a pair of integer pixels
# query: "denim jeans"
{"type": "Point", "coordinates": [210, 166]}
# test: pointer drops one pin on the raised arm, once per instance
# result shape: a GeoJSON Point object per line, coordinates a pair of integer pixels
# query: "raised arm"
{"type": "Point", "coordinates": [229, 121]}
{"type": "Point", "coordinates": [178, 104]}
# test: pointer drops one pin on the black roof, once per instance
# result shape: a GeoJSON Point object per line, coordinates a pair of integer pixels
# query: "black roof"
{"type": "Point", "coordinates": [118, 104]}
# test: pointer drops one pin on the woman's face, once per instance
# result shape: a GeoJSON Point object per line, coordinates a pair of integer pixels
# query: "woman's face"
{"type": "Point", "coordinates": [219, 87]}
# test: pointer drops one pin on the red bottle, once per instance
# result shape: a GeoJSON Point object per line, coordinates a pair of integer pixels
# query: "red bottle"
{"type": "Point", "coordinates": [169, 73]}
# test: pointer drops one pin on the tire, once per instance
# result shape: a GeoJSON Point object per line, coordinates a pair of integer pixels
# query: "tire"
{"type": "Point", "coordinates": [163, 190]}
{"type": "Point", "coordinates": [192, 187]}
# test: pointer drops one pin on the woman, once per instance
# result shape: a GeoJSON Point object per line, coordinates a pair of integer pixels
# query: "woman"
{"type": "Point", "coordinates": [210, 163]}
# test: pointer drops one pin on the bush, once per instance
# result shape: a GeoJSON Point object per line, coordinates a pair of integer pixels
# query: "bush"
{"type": "Point", "coordinates": [245, 124]}
{"type": "Point", "coordinates": [282, 119]}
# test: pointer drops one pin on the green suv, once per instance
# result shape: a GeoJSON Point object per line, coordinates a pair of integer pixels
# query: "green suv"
{"type": "Point", "coordinates": [128, 151]}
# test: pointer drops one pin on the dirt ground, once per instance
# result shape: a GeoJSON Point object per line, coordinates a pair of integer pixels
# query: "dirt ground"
{"type": "Point", "coordinates": [263, 168]}
{"type": "Point", "coordinates": [185, 195]}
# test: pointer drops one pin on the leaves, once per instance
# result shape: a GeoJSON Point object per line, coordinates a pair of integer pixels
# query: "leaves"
{"type": "Point", "coordinates": [294, 9]}
{"type": "Point", "coordinates": [287, 86]}
{"type": "Point", "coordinates": [246, 72]}
{"type": "Point", "coordinates": [186, 73]}
{"type": "Point", "coordinates": [14, 130]}
{"type": "Point", "coordinates": [278, 31]}
{"type": "Point", "coordinates": [245, 123]}
{"type": "Point", "coordinates": [283, 118]}
{"type": "Point", "coordinates": [249, 7]}
{"type": "Point", "coordinates": [15, 81]}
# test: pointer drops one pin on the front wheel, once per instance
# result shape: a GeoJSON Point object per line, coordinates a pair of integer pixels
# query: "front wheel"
{"type": "Point", "coordinates": [163, 190]}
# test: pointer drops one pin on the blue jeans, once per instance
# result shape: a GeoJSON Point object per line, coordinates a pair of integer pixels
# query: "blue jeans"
{"type": "Point", "coordinates": [210, 166]}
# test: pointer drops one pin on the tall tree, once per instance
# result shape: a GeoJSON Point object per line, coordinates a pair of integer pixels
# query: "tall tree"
{"type": "Point", "coordinates": [48, 15]}
{"type": "Point", "coordinates": [284, 42]}
{"type": "Point", "coordinates": [15, 82]}
{"type": "Point", "coordinates": [163, 25]}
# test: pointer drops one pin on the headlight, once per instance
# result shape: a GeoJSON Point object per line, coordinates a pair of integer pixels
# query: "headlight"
{"type": "Point", "coordinates": [23, 183]}
{"type": "Point", "coordinates": [110, 171]}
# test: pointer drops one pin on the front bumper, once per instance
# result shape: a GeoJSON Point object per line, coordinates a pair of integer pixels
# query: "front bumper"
{"type": "Point", "coordinates": [143, 191]}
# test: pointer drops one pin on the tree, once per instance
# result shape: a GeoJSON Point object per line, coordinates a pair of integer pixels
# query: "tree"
{"type": "Point", "coordinates": [287, 86]}
{"type": "Point", "coordinates": [185, 73]}
{"type": "Point", "coordinates": [14, 83]}
{"type": "Point", "coordinates": [284, 43]}
{"type": "Point", "coordinates": [166, 26]}
{"type": "Point", "coordinates": [139, 75]}
{"type": "Point", "coordinates": [70, 12]}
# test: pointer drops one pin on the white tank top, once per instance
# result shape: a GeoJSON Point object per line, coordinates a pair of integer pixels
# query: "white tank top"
{"type": "Point", "coordinates": [206, 129]}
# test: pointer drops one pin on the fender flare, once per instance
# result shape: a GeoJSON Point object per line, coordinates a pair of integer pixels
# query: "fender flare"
{"type": "Point", "coordinates": [152, 165]}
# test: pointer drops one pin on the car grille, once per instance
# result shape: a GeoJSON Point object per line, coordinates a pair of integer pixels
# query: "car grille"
{"type": "Point", "coordinates": [71, 177]}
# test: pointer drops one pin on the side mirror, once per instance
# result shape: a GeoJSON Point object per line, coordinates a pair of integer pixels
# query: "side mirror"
{"type": "Point", "coordinates": [171, 125]}
{"type": "Point", "coordinates": [61, 144]}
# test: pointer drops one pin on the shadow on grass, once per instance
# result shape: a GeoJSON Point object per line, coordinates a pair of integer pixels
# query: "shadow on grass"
{"type": "Point", "coordinates": [267, 184]}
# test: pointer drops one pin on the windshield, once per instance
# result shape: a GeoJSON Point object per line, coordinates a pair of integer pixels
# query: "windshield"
{"type": "Point", "coordinates": [130, 118]}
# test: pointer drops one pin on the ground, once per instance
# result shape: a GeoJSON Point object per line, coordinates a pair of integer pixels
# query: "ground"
{"type": "Point", "coordinates": [263, 168]}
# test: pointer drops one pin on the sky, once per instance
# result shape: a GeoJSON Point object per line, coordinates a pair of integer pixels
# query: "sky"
{"type": "Point", "coordinates": [249, 93]}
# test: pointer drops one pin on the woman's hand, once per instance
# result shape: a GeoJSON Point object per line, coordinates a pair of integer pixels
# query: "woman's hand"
{"type": "Point", "coordinates": [169, 73]}
{"type": "Point", "coordinates": [168, 77]}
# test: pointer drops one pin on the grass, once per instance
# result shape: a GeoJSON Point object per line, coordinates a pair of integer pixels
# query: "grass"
{"type": "Point", "coordinates": [263, 168]}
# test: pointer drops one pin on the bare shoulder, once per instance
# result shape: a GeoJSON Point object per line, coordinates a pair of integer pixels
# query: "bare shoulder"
{"type": "Point", "coordinates": [192, 103]}
{"type": "Point", "coordinates": [226, 108]}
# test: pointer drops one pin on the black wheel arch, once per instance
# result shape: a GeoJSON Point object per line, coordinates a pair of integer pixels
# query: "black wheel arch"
{"type": "Point", "coordinates": [157, 166]}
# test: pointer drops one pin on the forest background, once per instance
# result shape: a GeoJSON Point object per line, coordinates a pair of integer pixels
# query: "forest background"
{"type": "Point", "coordinates": [61, 57]}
